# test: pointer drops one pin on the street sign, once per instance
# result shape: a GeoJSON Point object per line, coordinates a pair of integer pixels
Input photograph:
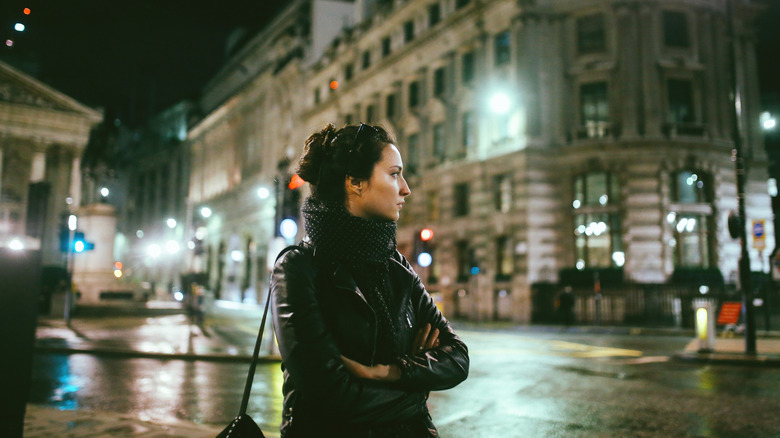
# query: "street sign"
{"type": "Point", "coordinates": [759, 237]}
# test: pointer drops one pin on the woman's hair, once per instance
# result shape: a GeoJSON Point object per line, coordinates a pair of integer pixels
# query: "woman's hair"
{"type": "Point", "coordinates": [332, 154]}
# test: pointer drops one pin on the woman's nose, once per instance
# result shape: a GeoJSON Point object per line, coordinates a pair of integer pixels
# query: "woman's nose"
{"type": "Point", "coordinates": [405, 190]}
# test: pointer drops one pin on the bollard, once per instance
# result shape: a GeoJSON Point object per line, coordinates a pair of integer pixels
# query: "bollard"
{"type": "Point", "coordinates": [705, 325]}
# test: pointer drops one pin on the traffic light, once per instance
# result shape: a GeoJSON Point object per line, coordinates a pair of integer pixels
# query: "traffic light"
{"type": "Point", "coordinates": [423, 249]}
{"type": "Point", "coordinates": [80, 244]}
{"type": "Point", "coordinates": [289, 205]}
{"type": "Point", "coordinates": [64, 238]}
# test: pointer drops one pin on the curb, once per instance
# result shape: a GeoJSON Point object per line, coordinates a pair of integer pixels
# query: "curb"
{"type": "Point", "coordinates": [111, 352]}
{"type": "Point", "coordinates": [757, 360]}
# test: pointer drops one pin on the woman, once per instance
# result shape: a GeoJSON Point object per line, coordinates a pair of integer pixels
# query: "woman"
{"type": "Point", "coordinates": [361, 340]}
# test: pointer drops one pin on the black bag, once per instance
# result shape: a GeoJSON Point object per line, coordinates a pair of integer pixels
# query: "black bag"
{"type": "Point", "coordinates": [243, 426]}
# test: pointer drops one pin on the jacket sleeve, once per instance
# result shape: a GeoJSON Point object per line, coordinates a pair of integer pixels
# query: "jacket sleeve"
{"type": "Point", "coordinates": [313, 360]}
{"type": "Point", "coordinates": [439, 368]}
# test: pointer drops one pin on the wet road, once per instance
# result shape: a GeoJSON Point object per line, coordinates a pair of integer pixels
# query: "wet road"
{"type": "Point", "coordinates": [520, 385]}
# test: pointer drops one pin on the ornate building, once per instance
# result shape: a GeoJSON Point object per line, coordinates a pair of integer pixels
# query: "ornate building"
{"type": "Point", "coordinates": [42, 135]}
{"type": "Point", "coordinates": [544, 140]}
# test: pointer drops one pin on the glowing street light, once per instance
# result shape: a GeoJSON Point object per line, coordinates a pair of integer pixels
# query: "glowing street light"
{"type": "Point", "coordinates": [104, 192]}
{"type": "Point", "coordinates": [205, 212]}
{"type": "Point", "coordinates": [172, 246]}
{"type": "Point", "coordinates": [263, 193]}
{"type": "Point", "coordinates": [19, 27]}
{"type": "Point", "coordinates": [171, 222]}
{"type": "Point", "coordinates": [16, 245]}
{"type": "Point", "coordinates": [767, 121]}
{"type": "Point", "coordinates": [288, 228]}
{"type": "Point", "coordinates": [500, 103]}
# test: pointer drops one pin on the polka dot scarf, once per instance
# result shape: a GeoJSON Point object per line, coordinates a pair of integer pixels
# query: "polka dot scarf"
{"type": "Point", "coordinates": [365, 247]}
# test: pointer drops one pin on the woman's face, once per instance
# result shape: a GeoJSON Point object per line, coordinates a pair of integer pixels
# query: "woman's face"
{"type": "Point", "coordinates": [383, 195]}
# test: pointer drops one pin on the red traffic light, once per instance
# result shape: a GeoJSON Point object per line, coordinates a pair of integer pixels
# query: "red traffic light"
{"type": "Point", "coordinates": [426, 234]}
{"type": "Point", "coordinates": [295, 182]}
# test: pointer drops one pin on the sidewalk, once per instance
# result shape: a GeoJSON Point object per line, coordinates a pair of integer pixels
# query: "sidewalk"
{"type": "Point", "coordinates": [731, 351]}
{"type": "Point", "coordinates": [47, 422]}
{"type": "Point", "coordinates": [162, 333]}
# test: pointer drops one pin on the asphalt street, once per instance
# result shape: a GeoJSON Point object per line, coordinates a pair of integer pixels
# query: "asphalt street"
{"type": "Point", "coordinates": [524, 382]}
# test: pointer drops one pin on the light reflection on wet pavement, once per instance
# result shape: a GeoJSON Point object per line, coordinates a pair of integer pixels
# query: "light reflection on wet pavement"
{"type": "Point", "coordinates": [520, 385]}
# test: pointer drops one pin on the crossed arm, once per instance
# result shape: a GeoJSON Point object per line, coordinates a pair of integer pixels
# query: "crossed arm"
{"type": "Point", "coordinates": [425, 339]}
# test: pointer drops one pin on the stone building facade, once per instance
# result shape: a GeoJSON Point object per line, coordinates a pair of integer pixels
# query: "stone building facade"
{"type": "Point", "coordinates": [541, 138]}
{"type": "Point", "coordinates": [152, 190]}
{"type": "Point", "coordinates": [42, 135]}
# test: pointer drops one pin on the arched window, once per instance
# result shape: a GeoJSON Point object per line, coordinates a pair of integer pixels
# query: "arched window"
{"type": "Point", "coordinates": [597, 224]}
{"type": "Point", "coordinates": [690, 218]}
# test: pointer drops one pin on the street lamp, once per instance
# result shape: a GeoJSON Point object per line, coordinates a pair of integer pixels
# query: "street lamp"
{"type": "Point", "coordinates": [16, 245]}
{"type": "Point", "coordinates": [737, 155]}
{"type": "Point", "coordinates": [263, 193]}
{"type": "Point", "coordinates": [205, 212]}
{"type": "Point", "coordinates": [171, 222]}
{"type": "Point", "coordinates": [767, 121]}
{"type": "Point", "coordinates": [500, 103]}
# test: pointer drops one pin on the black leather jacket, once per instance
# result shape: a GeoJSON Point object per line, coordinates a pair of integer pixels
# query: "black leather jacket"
{"type": "Point", "coordinates": [319, 314]}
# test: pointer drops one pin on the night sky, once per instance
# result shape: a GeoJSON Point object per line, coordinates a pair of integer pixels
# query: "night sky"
{"type": "Point", "coordinates": [137, 57]}
{"type": "Point", "coordinates": [132, 57]}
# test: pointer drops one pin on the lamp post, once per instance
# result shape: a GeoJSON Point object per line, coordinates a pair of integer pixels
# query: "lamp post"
{"type": "Point", "coordinates": [738, 157]}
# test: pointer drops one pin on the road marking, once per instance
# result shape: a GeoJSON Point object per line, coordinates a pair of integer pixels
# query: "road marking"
{"type": "Point", "coordinates": [584, 350]}
{"type": "Point", "coordinates": [531, 346]}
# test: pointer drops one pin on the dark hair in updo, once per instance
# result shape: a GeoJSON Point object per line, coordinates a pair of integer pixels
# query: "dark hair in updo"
{"type": "Point", "coordinates": [332, 154]}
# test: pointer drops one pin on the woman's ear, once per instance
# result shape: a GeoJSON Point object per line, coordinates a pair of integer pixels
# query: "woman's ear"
{"type": "Point", "coordinates": [354, 185]}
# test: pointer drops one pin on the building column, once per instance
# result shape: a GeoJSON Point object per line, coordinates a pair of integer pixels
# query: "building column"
{"type": "Point", "coordinates": [653, 100]}
{"type": "Point", "coordinates": [75, 183]}
{"type": "Point", "coordinates": [528, 77]}
{"type": "Point", "coordinates": [629, 73]}
{"type": "Point", "coordinates": [710, 94]}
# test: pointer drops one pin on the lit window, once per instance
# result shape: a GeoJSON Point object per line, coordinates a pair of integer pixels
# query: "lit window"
{"type": "Point", "coordinates": [594, 109]}
{"type": "Point", "coordinates": [504, 258]}
{"type": "Point", "coordinates": [502, 192]}
{"type": "Point", "coordinates": [692, 219]}
{"type": "Point", "coordinates": [597, 224]}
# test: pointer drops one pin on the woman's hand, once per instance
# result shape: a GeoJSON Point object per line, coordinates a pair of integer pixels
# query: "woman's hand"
{"type": "Point", "coordinates": [385, 373]}
{"type": "Point", "coordinates": [425, 339]}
